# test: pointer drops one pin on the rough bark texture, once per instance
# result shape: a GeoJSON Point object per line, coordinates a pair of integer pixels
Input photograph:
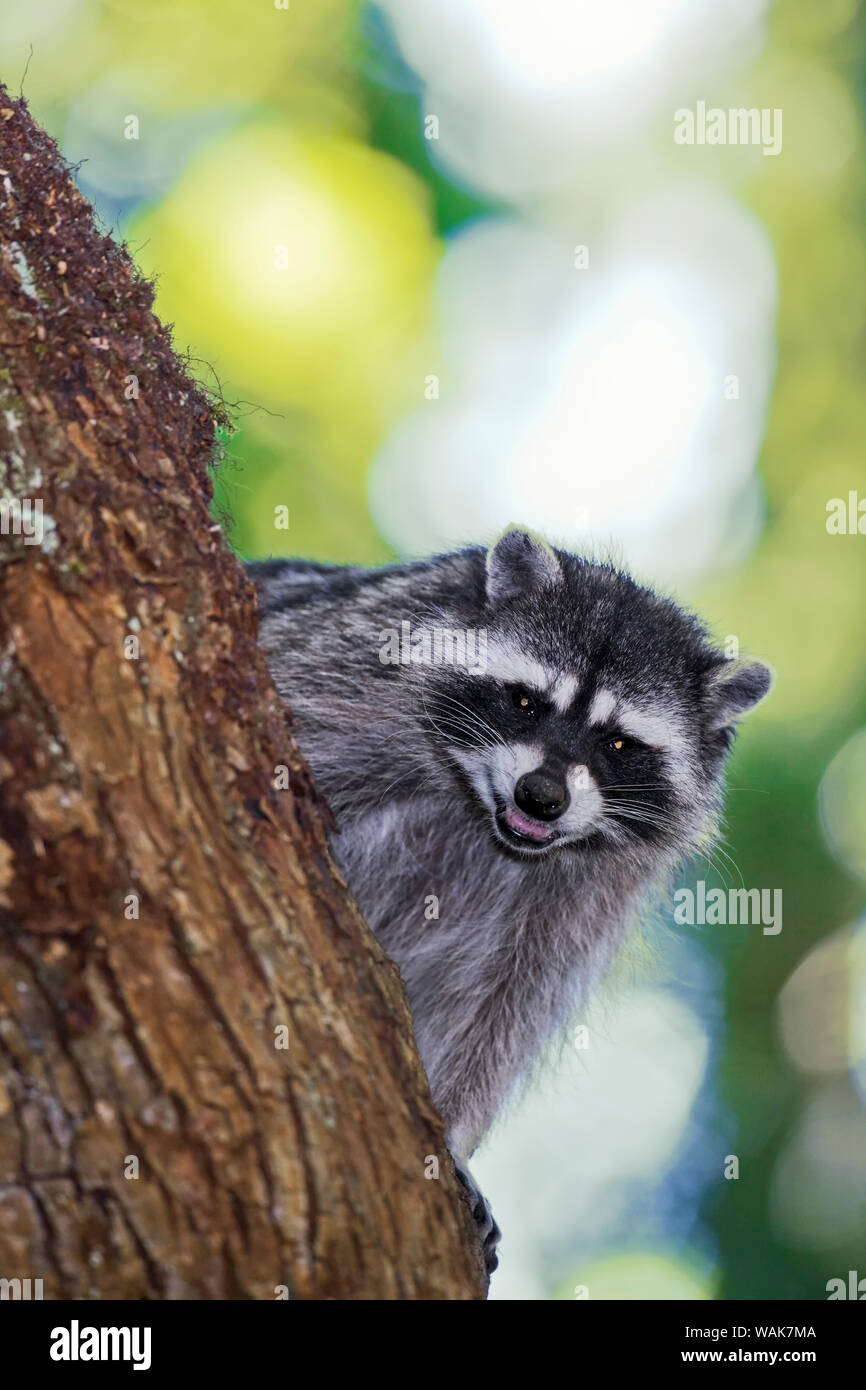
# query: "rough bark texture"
{"type": "Point", "coordinates": [152, 1038]}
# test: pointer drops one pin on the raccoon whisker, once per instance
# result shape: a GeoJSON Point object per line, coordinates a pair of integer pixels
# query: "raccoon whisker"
{"type": "Point", "coordinates": [638, 803]}
{"type": "Point", "coordinates": [639, 787]}
{"type": "Point", "coordinates": [640, 820]}
{"type": "Point", "coordinates": [638, 813]}
{"type": "Point", "coordinates": [470, 743]}
{"type": "Point", "coordinates": [408, 772]}
{"type": "Point", "coordinates": [457, 742]}
{"type": "Point", "coordinates": [717, 868]}
{"type": "Point", "coordinates": [472, 713]}
{"type": "Point", "coordinates": [416, 767]}
{"type": "Point", "coordinates": [471, 739]}
{"type": "Point", "coordinates": [719, 848]}
{"type": "Point", "coordinates": [490, 737]}
{"type": "Point", "coordinates": [720, 868]}
{"type": "Point", "coordinates": [631, 804]}
{"type": "Point", "coordinates": [476, 718]}
{"type": "Point", "coordinates": [415, 790]}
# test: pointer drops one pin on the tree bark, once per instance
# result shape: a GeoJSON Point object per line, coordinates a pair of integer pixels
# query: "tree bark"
{"type": "Point", "coordinates": [168, 915]}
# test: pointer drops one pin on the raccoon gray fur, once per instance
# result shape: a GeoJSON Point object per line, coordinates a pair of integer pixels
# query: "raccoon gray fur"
{"type": "Point", "coordinates": [519, 747]}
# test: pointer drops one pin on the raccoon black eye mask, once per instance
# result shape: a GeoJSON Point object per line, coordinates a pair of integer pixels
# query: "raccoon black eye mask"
{"type": "Point", "coordinates": [547, 744]}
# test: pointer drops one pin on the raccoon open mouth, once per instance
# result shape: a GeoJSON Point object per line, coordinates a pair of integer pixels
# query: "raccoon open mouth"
{"type": "Point", "coordinates": [519, 829]}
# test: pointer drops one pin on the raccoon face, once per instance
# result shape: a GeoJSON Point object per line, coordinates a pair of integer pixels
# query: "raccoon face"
{"type": "Point", "coordinates": [603, 714]}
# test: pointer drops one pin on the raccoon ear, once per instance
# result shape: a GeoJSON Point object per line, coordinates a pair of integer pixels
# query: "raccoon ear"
{"type": "Point", "coordinates": [519, 562]}
{"type": "Point", "coordinates": [736, 687]}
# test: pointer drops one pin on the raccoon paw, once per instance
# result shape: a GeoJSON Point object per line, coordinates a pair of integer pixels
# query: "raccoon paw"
{"type": "Point", "coordinates": [488, 1232]}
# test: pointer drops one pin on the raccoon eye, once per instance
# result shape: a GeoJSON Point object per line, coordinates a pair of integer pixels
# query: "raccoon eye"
{"type": "Point", "coordinates": [524, 702]}
{"type": "Point", "coordinates": [619, 743]}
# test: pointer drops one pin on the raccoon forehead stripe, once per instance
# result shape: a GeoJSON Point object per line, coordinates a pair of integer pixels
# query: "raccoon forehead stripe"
{"type": "Point", "coordinates": [564, 690]}
{"type": "Point", "coordinates": [658, 729]}
{"type": "Point", "coordinates": [506, 662]}
{"type": "Point", "coordinates": [602, 707]}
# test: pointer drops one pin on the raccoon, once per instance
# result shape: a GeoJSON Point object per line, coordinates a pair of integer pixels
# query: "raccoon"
{"type": "Point", "coordinates": [519, 747]}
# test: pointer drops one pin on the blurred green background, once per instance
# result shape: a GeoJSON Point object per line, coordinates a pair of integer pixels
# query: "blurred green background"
{"type": "Point", "coordinates": [449, 269]}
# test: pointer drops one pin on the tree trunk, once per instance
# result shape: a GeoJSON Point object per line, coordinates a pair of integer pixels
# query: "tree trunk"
{"type": "Point", "coordinates": [209, 1086]}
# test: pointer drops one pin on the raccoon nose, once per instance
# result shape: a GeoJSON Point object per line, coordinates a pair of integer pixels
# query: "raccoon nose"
{"type": "Point", "coordinates": [540, 795]}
